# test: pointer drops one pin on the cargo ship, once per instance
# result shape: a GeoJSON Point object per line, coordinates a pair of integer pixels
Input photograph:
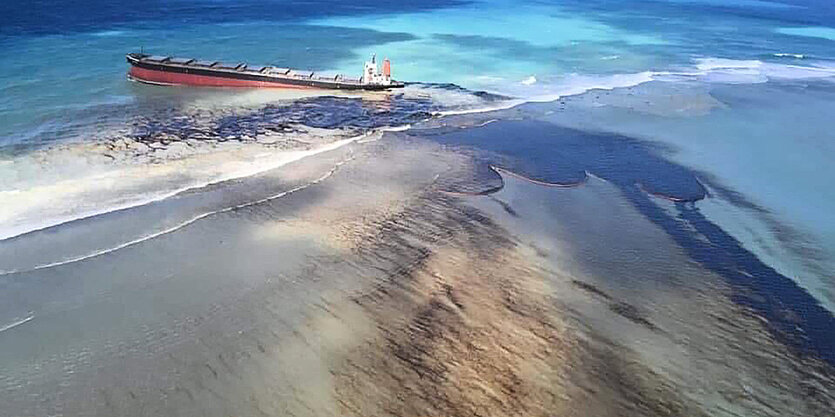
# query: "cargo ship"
{"type": "Point", "coordinates": [166, 70]}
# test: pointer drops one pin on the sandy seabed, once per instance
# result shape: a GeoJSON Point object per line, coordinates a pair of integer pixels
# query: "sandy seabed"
{"type": "Point", "coordinates": [369, 291]}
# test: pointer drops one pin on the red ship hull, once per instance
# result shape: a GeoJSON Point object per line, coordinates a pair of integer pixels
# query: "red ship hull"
{"type": "Point", "coordinates": [165, 70]}
{"type": "Point", "coordinates": [172, 78]}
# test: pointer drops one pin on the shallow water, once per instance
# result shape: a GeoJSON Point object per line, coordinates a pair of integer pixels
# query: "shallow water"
{"type": "Point", "coordinates": [638, 170]}
{"type": "Point", "coordinates": [786, 121]}
{"type": "Point", "coordinates": [623, 202]}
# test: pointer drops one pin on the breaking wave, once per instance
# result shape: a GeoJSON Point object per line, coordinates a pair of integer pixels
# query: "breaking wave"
{"type": "Point", "coordinates": [787, 55]}
{"type": "Point", "coordinates": [170, 229]}
{"type": "Point", "coordinates": [43, 211]}
{"type": "Point", "coordinates": [541, 88]}
{"type": "Point", "coordinates": [501, 173]}
{"type": "Point", "coordinates": [190, 149]}
{"type": "Point", "coordinates": [162, 152]}
{"type": "Point", "coordinates": [17, 322]}
{"type": "Point", "coordinates": [756, 71]}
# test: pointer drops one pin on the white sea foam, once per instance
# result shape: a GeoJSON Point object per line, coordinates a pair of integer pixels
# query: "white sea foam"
{"type": "Point", "coordinates": [786, 55]}
{"type": "Point", "coordinates": [58, 200]}
{"type": "Point", "coordinates": [171, 229]}
{"type": "Point", "coordinates": [17, 322]}
{"type": "Point", "coordinates": [442, 96]}
{"type": "Point", "coordinates": [110, 33]}
{"type": "Point", "coordinates": [755, 71]}
{"type": "Point", "coordinates": [717, 70]}
{"type": "Point", "coordinates": [710, 70]}
{"type": "Point", "coordinates": [48, 188]}
{"type": "Point", "coordinates": [485, 123]}
{"type": "Point", "coordinates": [503, 105]}
{"type": "Point", "coordinates": [102, 189]}
{"type": "Point", "coordinates": [710, 64]}
{"type": "Point", "coordinates": [375, 137]}
{"type": "Point", "coordinates": [552, 90]}
{"type": "Point", "coordinates": [538, 88]}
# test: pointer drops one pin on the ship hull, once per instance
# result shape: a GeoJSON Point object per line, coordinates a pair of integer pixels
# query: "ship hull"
{"type": "Point", "coordinates": [156, 77]}
{"type": "Point", "coordinates": [159, 73]}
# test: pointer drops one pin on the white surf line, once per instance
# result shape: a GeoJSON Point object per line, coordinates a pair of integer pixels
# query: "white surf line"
{"type": "Point", "coordinates": [371, 138]}
{"type": "Point", "coordinates": [788, 55]}
{"type": "Point", "coordinates": [539, 182]}
{"type": "Point", "coordinates": [702, 67]}
{"type": "Point", "coordinates": [508, 105]}
{"type": "Point", "coordinates": [301, 155]}
{"type": "Point", "coordinates": [596, 177]}
{"type": "Point", "coordinates": [14, 324]}
{"type": "Point", "coordinates": [481, 124]}
{"type": "Point", "coordinates": [538, 99]}
{"type": "Point", "coordinates": [397, 128]}
{"type": "Point", "coordinates": [178, 226]}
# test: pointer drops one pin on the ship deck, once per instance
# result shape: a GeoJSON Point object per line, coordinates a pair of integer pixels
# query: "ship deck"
{"type": "Point", "coordinates": [246, 75]}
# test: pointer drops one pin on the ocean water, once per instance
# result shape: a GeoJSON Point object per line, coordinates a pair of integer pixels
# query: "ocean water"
{"type": "Point", "coordinates": [708, 121]}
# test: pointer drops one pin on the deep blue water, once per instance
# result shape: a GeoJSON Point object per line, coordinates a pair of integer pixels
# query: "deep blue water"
{"type": "Point", "coordinates": [76, 16]}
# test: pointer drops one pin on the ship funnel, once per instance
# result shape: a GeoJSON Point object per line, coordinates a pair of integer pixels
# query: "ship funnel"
{"type": "Point", "coordinates": [371, 73]}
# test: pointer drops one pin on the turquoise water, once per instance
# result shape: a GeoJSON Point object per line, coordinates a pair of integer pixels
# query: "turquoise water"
{"type": "Point", "coordinates": [54, 70]}
{"type": "Point", "coordinates": [812, 32]}
{"type": "Point", "coordinates": [767, 141]}
{"type": "Point", "coordinates": [685, 99]}
{"type": "Point", "coordinates": [64, 81]}
{"type": "Point", "coordinates": [62, 77]}
{"type": "Point", "coordinates": [765, 69]}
